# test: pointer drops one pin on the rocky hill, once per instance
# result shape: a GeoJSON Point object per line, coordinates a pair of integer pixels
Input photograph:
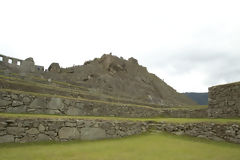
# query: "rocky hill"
{"type": "Point", "coordinates": [120, 78]}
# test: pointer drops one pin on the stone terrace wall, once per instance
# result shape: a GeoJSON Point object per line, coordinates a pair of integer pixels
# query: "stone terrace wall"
{"type": "Point", "coordinates": [31, 130]}
{"type": "Point", "coordinates": [224, 101]}
{"type": "Point", "coordinates": [23, 103]}
{"type": "Point", "coordinates": [40, 129]}
{"type": "Point", "coordinates": [187, 113]}
{"type": "Point", "coordinates": [218, 132]}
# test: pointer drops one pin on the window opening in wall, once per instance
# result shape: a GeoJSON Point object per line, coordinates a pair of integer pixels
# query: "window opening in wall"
{"type": "Point", "coordinates": [10, 60]}
{"type": "Point", "coordinates": [1, 58]}
{"type": "Point", "coordinates": [18, 63]}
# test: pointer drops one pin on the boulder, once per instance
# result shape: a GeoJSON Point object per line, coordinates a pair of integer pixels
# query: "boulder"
{"type": "Point", "coordinates": [30, 59]}
{"type": "Point", "coordinates": [54, 67]}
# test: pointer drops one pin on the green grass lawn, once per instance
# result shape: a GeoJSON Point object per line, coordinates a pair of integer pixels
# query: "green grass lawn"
{"type": "Point", "coordinates": [144, 147]}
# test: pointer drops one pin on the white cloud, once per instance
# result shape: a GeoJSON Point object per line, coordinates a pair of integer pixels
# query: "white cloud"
{"type": "Point", "coordinates": [161, 34]}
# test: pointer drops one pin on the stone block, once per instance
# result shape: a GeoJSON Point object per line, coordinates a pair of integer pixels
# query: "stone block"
{"type": "Point", "coordinates": [38, 103]}
{"type": "Point", "coordinates": [15, 130]}
{"type": "Point", "coordinates": [32, 131]}
{"type": "Point", "coordinates": [6, 138]}
{"type": "Point", "coordinates": [55, 103]}
{"type": "Point", "coordinates": [73, 111]}
{"type": "Point", "coordinates": [41, 128]}
{"type": "Point", "coordinates": [26, 100]}
{"type": "Point", "coordinates": [68, 133]}
{"type": "Point", "coordinates": [92, 133]}
{"type": "Point", "coordinates": [18, 109]}
{"type": "Point", "coordinates": [43, 137]}
{"type": "Point", "coordinates": [4, 103]}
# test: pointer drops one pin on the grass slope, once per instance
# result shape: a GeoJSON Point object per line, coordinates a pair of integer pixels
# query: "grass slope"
{"type": "Point", "coordinates": [145, 147]}
{"type": "Point", "coordinates": [173, 120]}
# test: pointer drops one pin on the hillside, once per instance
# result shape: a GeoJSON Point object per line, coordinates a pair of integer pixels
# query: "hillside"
{"type": "Point", "coordinates": [200, 98]}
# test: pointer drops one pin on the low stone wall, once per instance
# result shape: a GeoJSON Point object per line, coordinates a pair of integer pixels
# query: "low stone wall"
{"type": "Point", "coordinates": [23, 103]}
{"type": "Point", "coordinates": [40, 129]}
{"type": "Point", "coordinates": [213, 131]}
{"type": "Point", "coordinates": [224, 101]}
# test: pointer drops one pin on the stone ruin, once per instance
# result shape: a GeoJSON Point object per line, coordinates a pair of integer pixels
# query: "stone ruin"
{"type": "Point", "coordinates": [26, 65]}
{"type": "Point", "coordinates": [224, 102]}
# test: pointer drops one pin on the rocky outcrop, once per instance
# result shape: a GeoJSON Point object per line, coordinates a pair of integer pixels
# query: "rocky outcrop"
{"type": "Point", "coordinates": [123, 78]}
{"type": "Point", "coordinates": [54, 67]}
{"type": "Point", "coordinates": [224, 101]}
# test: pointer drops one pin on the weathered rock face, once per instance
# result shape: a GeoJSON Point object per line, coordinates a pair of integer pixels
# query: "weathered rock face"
{"type": "Point", "coordinates": [54, 67]}
{"type": "Point", "coordinates": [224, 101]}
{"type": "Point", "coordinates": [31, 130]}
{"type": "Point", "coordinates": [124, 78]}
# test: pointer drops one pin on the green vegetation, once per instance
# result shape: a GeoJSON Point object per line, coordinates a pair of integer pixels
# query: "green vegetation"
{"type": "Point", "coordinates": [144, 147]}
{"type": "Point", "coordinates": [172, 120]}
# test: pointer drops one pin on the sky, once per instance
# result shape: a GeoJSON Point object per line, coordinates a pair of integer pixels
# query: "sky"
{"type": "Point", "coordinates": [190, 44]}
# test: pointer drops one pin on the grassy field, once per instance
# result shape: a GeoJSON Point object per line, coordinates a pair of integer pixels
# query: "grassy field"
{"type": "Point", "coordinates": [144, 147]}
{"type": "Point", "coordinates": [173, 120]}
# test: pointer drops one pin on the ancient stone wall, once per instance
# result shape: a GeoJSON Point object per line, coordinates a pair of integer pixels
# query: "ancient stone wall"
{"type": "Point", "coordinates": [218, 132]}
{"type": "Point", "coordinates": [224, 101]}
{"type": "Point", "coordinates": [39, 129]}
{"type": "Point", "coordinates": [21, 65]}
{"type": "Point", "coordinates": [63, 129]}
{"type": "Point", "coordinates": [23, 103]}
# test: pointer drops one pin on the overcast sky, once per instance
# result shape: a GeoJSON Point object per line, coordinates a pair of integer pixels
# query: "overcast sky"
{"type": "Point", "coordinates": [191, 44]}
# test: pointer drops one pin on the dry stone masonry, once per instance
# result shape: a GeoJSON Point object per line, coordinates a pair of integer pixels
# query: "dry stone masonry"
{"type": "Point", "coordinates": [23, 103]}
{"type": "Point", "coordinates": [39, 129]}
{"type": "Point", "coordinates": [224, 101]}
{"type": "Point", "coordinates": [63, 129]}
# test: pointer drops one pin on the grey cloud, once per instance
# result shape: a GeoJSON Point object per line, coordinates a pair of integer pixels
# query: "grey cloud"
{"type": "Point", "coordinates": [216, 66]}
